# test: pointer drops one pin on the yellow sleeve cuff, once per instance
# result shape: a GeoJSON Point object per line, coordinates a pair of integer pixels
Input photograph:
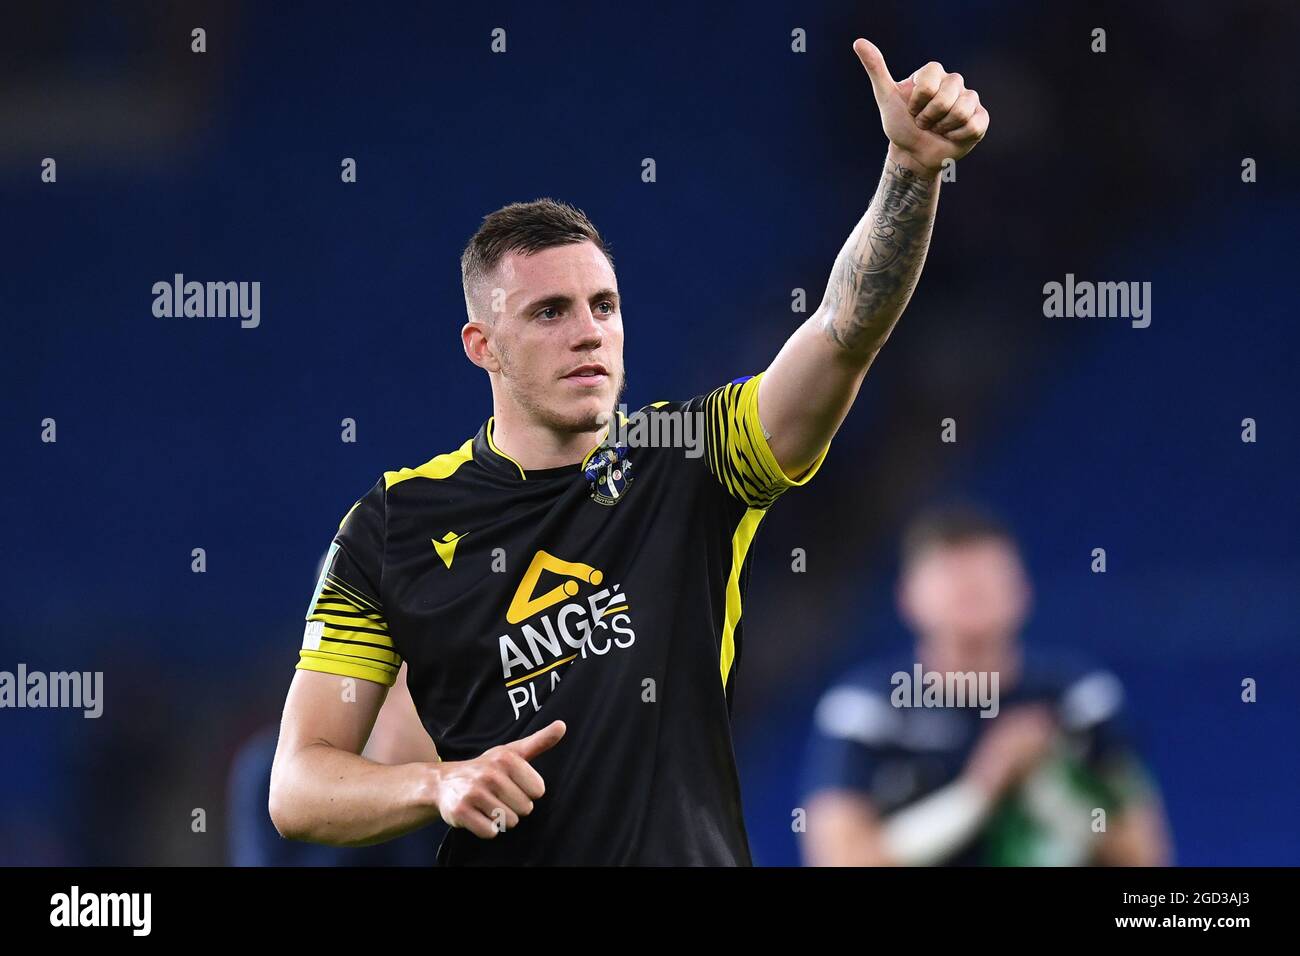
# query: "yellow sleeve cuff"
{"type": "Point", "coordinates": [749, 409]}
{"type": "Point", "coordinates": [326, 663]}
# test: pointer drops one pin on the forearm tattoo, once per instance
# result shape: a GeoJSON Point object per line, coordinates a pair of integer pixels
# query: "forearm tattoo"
{"type": "Point", "coordinates": [879, 266]}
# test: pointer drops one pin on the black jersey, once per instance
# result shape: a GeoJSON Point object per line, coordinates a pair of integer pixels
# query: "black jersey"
{"type": "Point", "coordinates": [607, 594]}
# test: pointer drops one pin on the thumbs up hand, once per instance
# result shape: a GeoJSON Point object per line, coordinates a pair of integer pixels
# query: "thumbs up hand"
{"type": "Point", "coordinates": [491, 793]}
{"type": "Point", "coordinates": [928, 117]}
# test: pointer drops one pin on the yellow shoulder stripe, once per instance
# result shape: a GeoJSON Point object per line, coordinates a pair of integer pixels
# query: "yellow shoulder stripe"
{"type": "Point", "coordinates": [349, 514]}
{"type": "Point", "coordinates": [443, 466]}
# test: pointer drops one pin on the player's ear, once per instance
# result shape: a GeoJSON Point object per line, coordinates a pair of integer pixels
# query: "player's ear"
{"type": "Point", "coordinates": [478, 346]}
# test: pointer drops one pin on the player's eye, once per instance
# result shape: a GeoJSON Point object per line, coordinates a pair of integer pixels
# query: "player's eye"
{"type": "Point", "coordinates": [550, 312]}
{"type": "Point", "coordinates": [606, 307]}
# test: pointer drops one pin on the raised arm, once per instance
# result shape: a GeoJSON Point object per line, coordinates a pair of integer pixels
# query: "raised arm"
{"type": "Point", "coordinates": [807, 391]}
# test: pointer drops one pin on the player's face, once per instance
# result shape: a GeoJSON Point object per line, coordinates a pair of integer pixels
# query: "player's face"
{"type": "Point", "coordinates": [559, 339]}
{"type": "Point", "coordinates": [967, 601]}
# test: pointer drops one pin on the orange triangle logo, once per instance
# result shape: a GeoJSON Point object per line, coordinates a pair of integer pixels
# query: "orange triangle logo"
{"type": "Point", "coordinates": [524, 606]}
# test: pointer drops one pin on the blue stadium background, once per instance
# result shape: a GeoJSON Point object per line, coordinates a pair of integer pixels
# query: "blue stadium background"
{"type": "Point", "coordinates": [176, 434]}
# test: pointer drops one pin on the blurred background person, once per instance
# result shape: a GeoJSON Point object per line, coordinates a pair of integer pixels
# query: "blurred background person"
{"type": "Point", "coordinates": [1048, 776]}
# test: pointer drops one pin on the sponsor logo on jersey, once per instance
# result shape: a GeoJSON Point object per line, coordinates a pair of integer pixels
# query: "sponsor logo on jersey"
{"type": "Point", "coordinates": [570, 620]}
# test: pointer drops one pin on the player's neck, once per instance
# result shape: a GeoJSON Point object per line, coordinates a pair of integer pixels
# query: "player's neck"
{"type": "Point", "coordinates": [535, 446]}
{"type": "Point", "coordinates": [1007, 661]}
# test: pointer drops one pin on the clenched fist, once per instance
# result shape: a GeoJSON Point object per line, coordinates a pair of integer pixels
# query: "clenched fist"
{"type": "Point", "coordinates": [929, 117]}
{"type": "Point", "coordinates": [489, 794]}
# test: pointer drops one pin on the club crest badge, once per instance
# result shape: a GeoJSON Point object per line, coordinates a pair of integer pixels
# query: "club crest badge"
{"type": "Point", "coordinates": [609, 472]}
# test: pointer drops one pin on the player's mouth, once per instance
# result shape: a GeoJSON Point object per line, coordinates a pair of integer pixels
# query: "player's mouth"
{"type": "Point", "coordinates": [590, 375]}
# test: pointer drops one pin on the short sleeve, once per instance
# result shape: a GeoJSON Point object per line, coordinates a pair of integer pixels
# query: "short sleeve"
{"type": "Point", "coordinates": [737, 449]}
{"type": "Point", "coordinates": [347, 632]}
{"type": "Point", "coordinates": [845, 746]}
{"type": "Point", "coordinates": [1092, 706]}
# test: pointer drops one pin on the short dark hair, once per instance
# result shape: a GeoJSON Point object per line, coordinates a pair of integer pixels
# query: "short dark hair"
{"type": "Point", "coordinates": [949, 525]}
{"type": "Point", "coordinates": [525, 227]}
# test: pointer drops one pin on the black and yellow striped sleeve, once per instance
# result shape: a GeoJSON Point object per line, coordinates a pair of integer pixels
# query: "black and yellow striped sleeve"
{"type": "Point", "coordinates": [347, 632]}
{"type": "Point", "coordinates": [736, 448]}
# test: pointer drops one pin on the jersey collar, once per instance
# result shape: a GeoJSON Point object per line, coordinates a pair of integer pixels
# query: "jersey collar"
{"type": "Point", "coordinates": [487, 454]}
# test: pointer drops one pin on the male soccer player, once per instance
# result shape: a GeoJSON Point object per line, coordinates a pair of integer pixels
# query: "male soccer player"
{"type": "Point", "coordinates": [570, 608]}
{"type": "Point", "coordinates": [890, 783]}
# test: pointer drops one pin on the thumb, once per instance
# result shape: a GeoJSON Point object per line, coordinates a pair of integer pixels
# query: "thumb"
{"type": "Point", "coordinates": [873, 61]}
{"type": "Point", "coordinates": [538, 743]}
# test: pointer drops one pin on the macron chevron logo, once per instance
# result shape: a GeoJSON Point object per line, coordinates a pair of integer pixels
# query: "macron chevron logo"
{"type": "Point", "coordinates": [446, 548]}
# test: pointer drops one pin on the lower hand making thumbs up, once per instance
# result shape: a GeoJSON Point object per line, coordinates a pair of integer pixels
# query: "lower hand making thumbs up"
{"type": "Point", "coordinates": [489, 794]}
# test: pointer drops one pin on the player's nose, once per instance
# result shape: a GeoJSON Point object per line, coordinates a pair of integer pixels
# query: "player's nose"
{"type": "Point", "coordinates": [588, 332]}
